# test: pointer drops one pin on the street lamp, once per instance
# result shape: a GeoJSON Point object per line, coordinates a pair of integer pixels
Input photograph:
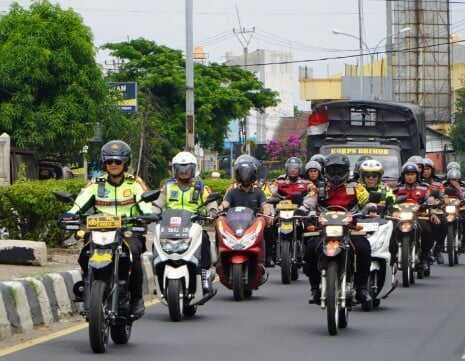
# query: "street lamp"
{"type": "Point", "coordinates": [370, 51]}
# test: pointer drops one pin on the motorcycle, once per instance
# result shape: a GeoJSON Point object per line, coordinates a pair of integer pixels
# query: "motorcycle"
{"type": "Point", "coordinates": [407, 237]}
{"type": "Point", "coordinates": [104, 289]}
{"type": "Point", "coordinates": [454, 240]}
{"type": "Point", "coordinates": [239, 235]}
{"type": "Point", "coordinates": [289, 241]}
{"type": "Point", "coordinates": [336, 262]}
{"type": "Point", "coordinates": [176, 254]}
{"type": "Point", "coordinates": [382, 280]}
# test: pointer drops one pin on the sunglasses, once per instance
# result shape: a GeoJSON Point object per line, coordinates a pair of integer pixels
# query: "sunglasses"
{"type": "Point", "coordinates": [113, 161]}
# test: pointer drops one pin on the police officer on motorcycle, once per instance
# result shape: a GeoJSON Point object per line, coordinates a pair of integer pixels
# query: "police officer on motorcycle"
{"type": "Point", "coordinates": [339, 192]}
{"type": "Point", "coordinates": [116, 193]}
{"type": "Point", "coordinates": [189, 193]}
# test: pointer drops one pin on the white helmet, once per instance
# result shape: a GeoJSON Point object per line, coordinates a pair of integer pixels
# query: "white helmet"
{"type": "Point", "coordinates": [184, 165]}
{"type": "Point", "coordinates": [371, 166]}
{"type": "Point", "coordinates": [312, 164]}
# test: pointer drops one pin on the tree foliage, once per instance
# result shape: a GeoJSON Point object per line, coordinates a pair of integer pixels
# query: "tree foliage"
{"type": "Point", "coordinates": [52, 91]}
{"type": "Point", "coordinates": [222, 93]}
{"type": "Point", "coordinates": [458, 127]}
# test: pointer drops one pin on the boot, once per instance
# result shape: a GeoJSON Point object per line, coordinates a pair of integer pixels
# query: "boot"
{"type": "Point", "coordinates": [316, 296]}
{"type": "Point", "coordinates": [362, 295]}
{"type": "Point", "coordinates": [206, 281]}
{"type": "Point", "coordinates": [137, 307]}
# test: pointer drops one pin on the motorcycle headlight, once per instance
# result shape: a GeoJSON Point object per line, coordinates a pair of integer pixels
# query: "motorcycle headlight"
{"type": "Point", "coordinates": [450, 217]}
{"type": "Point", "coordinates": [175, 246]}
{"type": "Point", "coordinates": [334, 231]}
{"type": "Point", "coordinates": [451, 209]}
{"type": "Point", "coordinates": [286, 214]}
{"type": "Point", "coordinates": [406, 216]}
{"type": "Point", "coordinates": [239, 244]}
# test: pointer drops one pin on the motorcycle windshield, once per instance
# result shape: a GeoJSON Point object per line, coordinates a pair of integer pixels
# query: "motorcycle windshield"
{"type": "Point", "coordinates": [240, 218]}
{"type": "Point", "coordinates": [175, 223]}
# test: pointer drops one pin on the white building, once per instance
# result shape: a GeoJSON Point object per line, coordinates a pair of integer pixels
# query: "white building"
{"type": "Point", "coordinates": [279, 77]}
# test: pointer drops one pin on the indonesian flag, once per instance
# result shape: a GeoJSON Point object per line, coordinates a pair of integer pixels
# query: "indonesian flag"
{"type": "Point", "coordinates": [318, 123]}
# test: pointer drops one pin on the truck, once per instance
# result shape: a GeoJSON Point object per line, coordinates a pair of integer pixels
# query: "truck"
{"type": "Point", "coordinates": [386, 131]}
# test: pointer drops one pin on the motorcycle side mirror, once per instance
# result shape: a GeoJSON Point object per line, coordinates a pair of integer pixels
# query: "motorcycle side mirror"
{"type": "Point", "coordinates": [64, 197]}
{"type": "Point", "coordinates": [150, 196]}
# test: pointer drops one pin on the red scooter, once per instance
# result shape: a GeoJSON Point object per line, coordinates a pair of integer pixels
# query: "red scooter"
{"type": "Point", "coordinates": [239, 235]}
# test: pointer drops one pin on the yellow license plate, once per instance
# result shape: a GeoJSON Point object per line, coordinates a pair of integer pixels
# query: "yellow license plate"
{"type": "Point", "coordinates": [287, 226]}
{"type": "Point", "coordinates": [101, 257]}
{"type": "Point", "coordinates": [103, 222]}
{"type": "Point", "coordinates": [286, 205]}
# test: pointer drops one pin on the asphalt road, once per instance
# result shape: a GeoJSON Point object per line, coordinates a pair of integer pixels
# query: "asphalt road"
{"type": "Point", "coordinates": [426, 322]}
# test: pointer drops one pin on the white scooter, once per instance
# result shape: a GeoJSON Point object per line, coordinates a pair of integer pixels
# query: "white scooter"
{"type": "Point", "coordinates": [176, 263]}
{"type": "Point", "coordinates": [382, 280]}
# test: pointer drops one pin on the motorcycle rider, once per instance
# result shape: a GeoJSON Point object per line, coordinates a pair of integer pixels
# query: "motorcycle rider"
{"type": "Point", "coordinates": [248, 194]}
{"type": "Point", "coordinates": [436, 187]}
{"type": "Point", "coordinates": [371, 172]}
{"type": "Point", "coordinates": [116, 193]}
{"type": "Point", "coordinates": [291, 185]}
{"type": "Point", "coordinates": [414, 190]}
{"type": "Point", "coordinates": [189, 193]}
{"type": "Point", "coordinates": [313, 171]}
{"type": "Point", "coordinates": [321, 159]}
{"type": "Point", "coordinates": [339, 192]}
{"type": "Point", "coordinates": [356, 172]}
{"type": "Point", "coordinates": [419, 161]}
{"type": "Point", "coordinates": [241, 168]}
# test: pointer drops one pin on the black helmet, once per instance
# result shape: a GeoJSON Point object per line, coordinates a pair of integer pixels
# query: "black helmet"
{"type": "Point", "coordinates": [245, 169]}
{"type": "Point", "coordinates": [337, 168]}
{"type": "Point", "coordinates": [410, 167]}
{"type": "Point", "coordinates": [454, 174]}
{"type": "Point", "coordinates": [293, 163]}
{"type": "Point", "coordinates": [358, 163]}
{"type": "Point", "coordinates": [116, 150]}
{"type": "Point", "coordinates": [320, 158]}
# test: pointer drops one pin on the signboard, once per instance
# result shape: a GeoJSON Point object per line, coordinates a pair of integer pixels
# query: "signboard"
{"type": "Point", "coordinates": [360, 151]}
{"type": "Point", "coordinates": [128, 91]}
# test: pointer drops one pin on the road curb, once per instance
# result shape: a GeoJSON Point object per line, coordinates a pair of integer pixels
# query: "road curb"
{"type": "Point", "coordinates": [29, 302]}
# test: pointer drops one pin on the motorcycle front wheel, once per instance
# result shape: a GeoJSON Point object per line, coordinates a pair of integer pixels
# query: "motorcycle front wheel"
{"type": "Point", "coordinates": [286, 262]}
{"type": "Point", "coordinates": [451, 239]}
{"type": "Point", "coordinates": [98, 322]}
{"type": "Point", "coordinates": [405, 261]}
{"type": "Point", "coordinates": [332, 294]}
{"type": "Point", "coordinates": [175, 299]}
{"type": "Point", "coordinates": [238, 284]}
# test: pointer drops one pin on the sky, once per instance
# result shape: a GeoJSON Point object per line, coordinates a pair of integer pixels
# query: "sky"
{"type": "Point", "coordinates": [301, 26]}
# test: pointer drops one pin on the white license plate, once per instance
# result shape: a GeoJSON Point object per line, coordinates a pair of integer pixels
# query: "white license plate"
{"type": "Point", "coordinates": [370, 227]}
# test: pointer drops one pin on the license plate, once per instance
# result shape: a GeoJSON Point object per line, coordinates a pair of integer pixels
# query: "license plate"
{"type": "Point", "coordinates": [286, 227]}
{"type": "Point", "coordinates": [370, 227]}
{"type": "Point", "coordinates": [101, 257]}
{"type": "Point", "coordinates": [103, 222]}
{"type": "Point", "coordinates": [286, 205]}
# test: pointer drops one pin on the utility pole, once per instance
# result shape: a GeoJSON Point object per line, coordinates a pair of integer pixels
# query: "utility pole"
{"type": "Point", "coordinates": [190, 120]}
{"type": "Point", "coordinates": [244, 36]}
{"type": "Point", "coordinates": [360, 33]}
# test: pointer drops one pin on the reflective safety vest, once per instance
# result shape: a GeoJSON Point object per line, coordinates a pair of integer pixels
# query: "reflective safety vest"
{"type": "Point", "coordinates": [188, 199]}
{"type": "Point", "coordinates": [115, 200]}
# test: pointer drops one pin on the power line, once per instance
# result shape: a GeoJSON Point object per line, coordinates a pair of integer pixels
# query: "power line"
{"type": "Point", "coordinates": [350, 56]}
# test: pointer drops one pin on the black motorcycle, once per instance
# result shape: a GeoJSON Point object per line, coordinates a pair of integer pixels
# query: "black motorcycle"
{"type": "Point", "coordinates": [104, 289]}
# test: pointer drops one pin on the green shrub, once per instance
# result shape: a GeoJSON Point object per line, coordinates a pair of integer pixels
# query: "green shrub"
{"type": "Point", "coordinates": [29, 210]}
{"type": "Point", "coordinates": [218, 184]}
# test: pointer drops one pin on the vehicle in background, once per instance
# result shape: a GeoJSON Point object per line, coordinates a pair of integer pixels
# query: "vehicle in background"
{"type": "Point", "coordinates": [389, 132]}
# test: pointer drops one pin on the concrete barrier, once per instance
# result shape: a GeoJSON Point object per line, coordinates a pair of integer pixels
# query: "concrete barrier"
{"type": "Point", "coordinates": [26, 303]}
{"type": "Point", "coordinates": [23, 252]}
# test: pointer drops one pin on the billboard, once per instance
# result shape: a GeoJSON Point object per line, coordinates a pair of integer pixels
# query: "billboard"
{"type": "Point", "coordinates": [128, 91]}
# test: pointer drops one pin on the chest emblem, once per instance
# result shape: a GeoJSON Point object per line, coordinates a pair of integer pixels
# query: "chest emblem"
{"type": "Point", "coordinates": [127, 193]}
